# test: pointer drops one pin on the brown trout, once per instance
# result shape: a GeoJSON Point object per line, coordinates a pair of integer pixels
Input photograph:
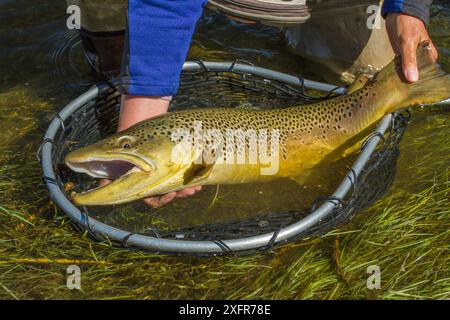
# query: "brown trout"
{"type": "Point", "coordinates": [147, 160]}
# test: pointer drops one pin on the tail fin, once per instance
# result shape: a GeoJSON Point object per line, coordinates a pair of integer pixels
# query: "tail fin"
{"type": "Point", "coordinates": [433, 85]}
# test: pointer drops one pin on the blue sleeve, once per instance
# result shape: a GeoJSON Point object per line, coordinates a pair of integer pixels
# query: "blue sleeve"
{"type": "Point", "coordinates": [416, 8]}
{"type": "Point", "coordinates": [158, 37]}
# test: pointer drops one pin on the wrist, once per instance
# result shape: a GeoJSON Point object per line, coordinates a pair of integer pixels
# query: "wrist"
{"type": "Point", "coordinates": [135, 109]}
{"type": "Point", "coordinates": [414, 8]}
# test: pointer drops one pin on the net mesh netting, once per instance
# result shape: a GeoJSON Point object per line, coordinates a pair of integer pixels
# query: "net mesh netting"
{"type": "Point", "coordinates": [98, 118]}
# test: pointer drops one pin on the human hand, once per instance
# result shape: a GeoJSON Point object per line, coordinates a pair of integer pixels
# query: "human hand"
{"type": "Point", "coordinates": [157, 202]}
{"type": "Point", "coordinates": [405, 34]}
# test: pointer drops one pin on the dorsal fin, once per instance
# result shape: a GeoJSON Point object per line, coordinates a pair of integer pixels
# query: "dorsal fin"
{"type": "Point", "coordinates": [359, 83]}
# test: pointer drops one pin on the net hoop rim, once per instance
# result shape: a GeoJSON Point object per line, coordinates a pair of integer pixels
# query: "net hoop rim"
{"type": "Point", "coordinates": [206, 246]}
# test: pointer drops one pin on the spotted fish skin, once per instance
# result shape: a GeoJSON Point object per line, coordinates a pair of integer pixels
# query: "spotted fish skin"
{"type": "Point", "coordinates": [309, 135]}
{"type": "Point", "coordinates": [319, 127]}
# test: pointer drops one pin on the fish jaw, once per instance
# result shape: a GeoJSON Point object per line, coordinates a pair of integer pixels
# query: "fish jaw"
{"type": "Point", "coordinates": [134, 175]}
{"type": "Point", "coordinates": [133, 185]}
{"type": "Point", "coordinates": [105, 164]}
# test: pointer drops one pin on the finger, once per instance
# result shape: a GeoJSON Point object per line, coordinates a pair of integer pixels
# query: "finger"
{"type": "Point", "coordinates": [189, 191]}
{"type": "Point", "coordinates": [434, 53]}
{"type": "Point", "coordinates": [152, 202]}
{"type": "Point", "coordinates": [391, 26]}
{"type": "Point", "coordinates": [165, 199]}
{"type": "Point", "coordinates": [186, 192]}
{"type": "Point", "coordinates": [409, 61]}
{"type": "Point", "coordinates": [157, 202]}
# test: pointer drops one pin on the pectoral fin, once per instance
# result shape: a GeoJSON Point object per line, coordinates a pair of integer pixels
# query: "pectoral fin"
{"type": "Point", "coordinates": [196, 173]}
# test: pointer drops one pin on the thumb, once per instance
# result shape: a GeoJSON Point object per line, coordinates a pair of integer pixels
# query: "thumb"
{"type": "Point", "coordinates": [409, 61]}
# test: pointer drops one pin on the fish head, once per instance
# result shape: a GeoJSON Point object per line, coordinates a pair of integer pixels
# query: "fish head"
{"type": "Point", "coordinates": [138, 165]}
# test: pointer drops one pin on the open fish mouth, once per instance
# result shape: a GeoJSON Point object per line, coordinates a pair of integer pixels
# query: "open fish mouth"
{"type": "Point", "coordinates": [132, 177]}
{"type": "Point", "coordinates": [116, 168]}
{"type": "Point", "coordinates": [105, 168]}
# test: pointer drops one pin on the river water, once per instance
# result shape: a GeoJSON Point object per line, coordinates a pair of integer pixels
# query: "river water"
{"type": "Point", "coordinates": [40, 74]}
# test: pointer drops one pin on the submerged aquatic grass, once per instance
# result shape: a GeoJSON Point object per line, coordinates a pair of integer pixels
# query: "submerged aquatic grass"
{"type": "Point", "coordinates": [406, 234]}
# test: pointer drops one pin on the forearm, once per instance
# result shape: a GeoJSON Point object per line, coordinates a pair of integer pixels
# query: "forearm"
{"type": "Point", "coordinates": [416, 8]}
{"type": "Point", "coordinates": [158, 37]}
{"type": "Point", "coordinates": [135, 109]}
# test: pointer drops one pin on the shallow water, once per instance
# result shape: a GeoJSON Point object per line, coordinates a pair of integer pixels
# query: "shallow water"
{"type": "Point", "coordinates": [37, 80]}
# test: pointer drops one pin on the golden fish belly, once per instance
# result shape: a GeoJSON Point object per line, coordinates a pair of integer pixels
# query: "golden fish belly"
{"type": "Point", "coordinates": [295, 163]}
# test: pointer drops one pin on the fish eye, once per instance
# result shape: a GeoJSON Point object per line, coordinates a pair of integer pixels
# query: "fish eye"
{"type": "Point", "coordinates": [125, 143]}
